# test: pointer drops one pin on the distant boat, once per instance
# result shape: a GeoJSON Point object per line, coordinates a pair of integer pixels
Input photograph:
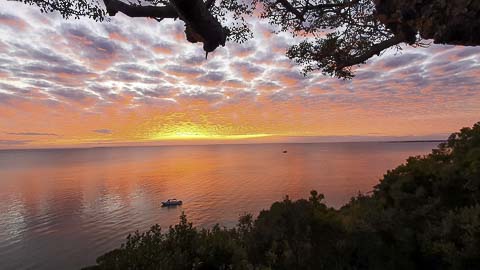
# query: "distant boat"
{"type": "Point", "coordinates": [284, 151]}
{"type": "Point", "coordinates": [171, 202]}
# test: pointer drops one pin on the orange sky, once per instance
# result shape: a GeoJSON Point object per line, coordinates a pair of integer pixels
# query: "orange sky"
{"type": "Point", "coordinates": [137, 81]}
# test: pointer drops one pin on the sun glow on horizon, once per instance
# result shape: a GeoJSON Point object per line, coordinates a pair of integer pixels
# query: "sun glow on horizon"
{"type": "Point", "coordinates": [196, 136]}
{"type": "Point", "coordinates": [192, 131]}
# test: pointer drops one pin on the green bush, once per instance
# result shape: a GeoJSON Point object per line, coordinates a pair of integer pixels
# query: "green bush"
{"type": "Point", "coordinates": [425, 214]}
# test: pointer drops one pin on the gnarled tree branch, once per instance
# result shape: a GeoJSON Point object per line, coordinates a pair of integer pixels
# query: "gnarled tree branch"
{"type": "Point", "coordinates": [332, 5]}
{"type": "Point", "coordinates": [115, 6]}
{"type": "Point", "coordinates": [200, 24]}
{"type": "Point", "coordinates": [290, 8]}
{"type": "Point", "coordinates": [376, 49]}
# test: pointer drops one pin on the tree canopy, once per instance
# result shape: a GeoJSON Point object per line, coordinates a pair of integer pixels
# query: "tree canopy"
{"type": "Point", "coordinates": [424, 214]}
{"type": "Point", "coordinates": [337, 34]}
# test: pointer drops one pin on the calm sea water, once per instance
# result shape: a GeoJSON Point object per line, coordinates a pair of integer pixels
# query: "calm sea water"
{"type": "Point", "coordinates": [60, 209]}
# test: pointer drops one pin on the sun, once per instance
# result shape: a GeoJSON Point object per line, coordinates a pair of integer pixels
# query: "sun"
{"type": "Point", "coordinates": [192, 131]}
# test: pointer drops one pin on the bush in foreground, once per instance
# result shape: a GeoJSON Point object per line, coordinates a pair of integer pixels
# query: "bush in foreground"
{"type": "Point", "coordinates": [425, 214]}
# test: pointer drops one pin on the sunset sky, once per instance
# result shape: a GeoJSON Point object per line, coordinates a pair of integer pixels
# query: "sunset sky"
{"type": "Point", "coordinates": [68, 83]}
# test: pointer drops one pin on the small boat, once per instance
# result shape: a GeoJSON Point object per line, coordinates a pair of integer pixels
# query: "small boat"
{"type": "Point", "coordinates": [284, 151]}
{"type": "Point", "coordinates": [171, 202]}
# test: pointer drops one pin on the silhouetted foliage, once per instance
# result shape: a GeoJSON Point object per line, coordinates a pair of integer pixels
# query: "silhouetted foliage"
{"type": "Point", "coordinates": [337, 34]}
{"type": "Point", "coordinates": [424, 214]}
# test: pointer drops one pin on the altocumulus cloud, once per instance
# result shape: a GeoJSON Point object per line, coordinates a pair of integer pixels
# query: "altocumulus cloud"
{"type": "Point", "coordinates": [53, 70]}
{"type": "Point", "coordinates": [112, 58]}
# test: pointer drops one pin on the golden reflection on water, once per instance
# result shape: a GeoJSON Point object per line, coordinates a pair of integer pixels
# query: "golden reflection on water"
{"type": "Point", "coordinates": [82, 202]}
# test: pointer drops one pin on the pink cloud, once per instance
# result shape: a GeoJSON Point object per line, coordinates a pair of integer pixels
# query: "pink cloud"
{"type": "Point", "coordinates": [13, 22]}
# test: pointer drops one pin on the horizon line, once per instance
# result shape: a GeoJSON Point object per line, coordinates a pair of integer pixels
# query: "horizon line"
{"type": "Point", "coordinates": [214, 144]}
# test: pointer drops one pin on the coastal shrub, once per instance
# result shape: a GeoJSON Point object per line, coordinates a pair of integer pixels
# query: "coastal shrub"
{"type": "Point", "coordinates": [424, 214]}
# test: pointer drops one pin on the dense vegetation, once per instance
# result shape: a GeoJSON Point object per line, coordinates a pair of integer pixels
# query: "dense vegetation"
{"type": "Point", "coordinates": [424, 214]}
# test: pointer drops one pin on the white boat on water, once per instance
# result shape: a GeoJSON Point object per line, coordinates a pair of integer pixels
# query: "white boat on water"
{"type": "Point", "coordinates": [171, 202]}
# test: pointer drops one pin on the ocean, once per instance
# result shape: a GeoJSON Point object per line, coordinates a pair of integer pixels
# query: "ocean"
{"type": "Point", "coordinates": [62, 208]}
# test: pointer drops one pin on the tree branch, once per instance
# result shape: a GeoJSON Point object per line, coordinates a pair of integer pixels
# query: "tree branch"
{"type": "Point", "coordinates": [374, 50]}
{"type": "Point", "coordinates": [291, 9]}
{"type": "Point", "coordinates": [209, 3]}
{"type": "Point", "coordinates": [114, 6]}
{"type": "Point", "coordinates": [200, 24]}
{"type": "Point", "coordinates": [338, 5]}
